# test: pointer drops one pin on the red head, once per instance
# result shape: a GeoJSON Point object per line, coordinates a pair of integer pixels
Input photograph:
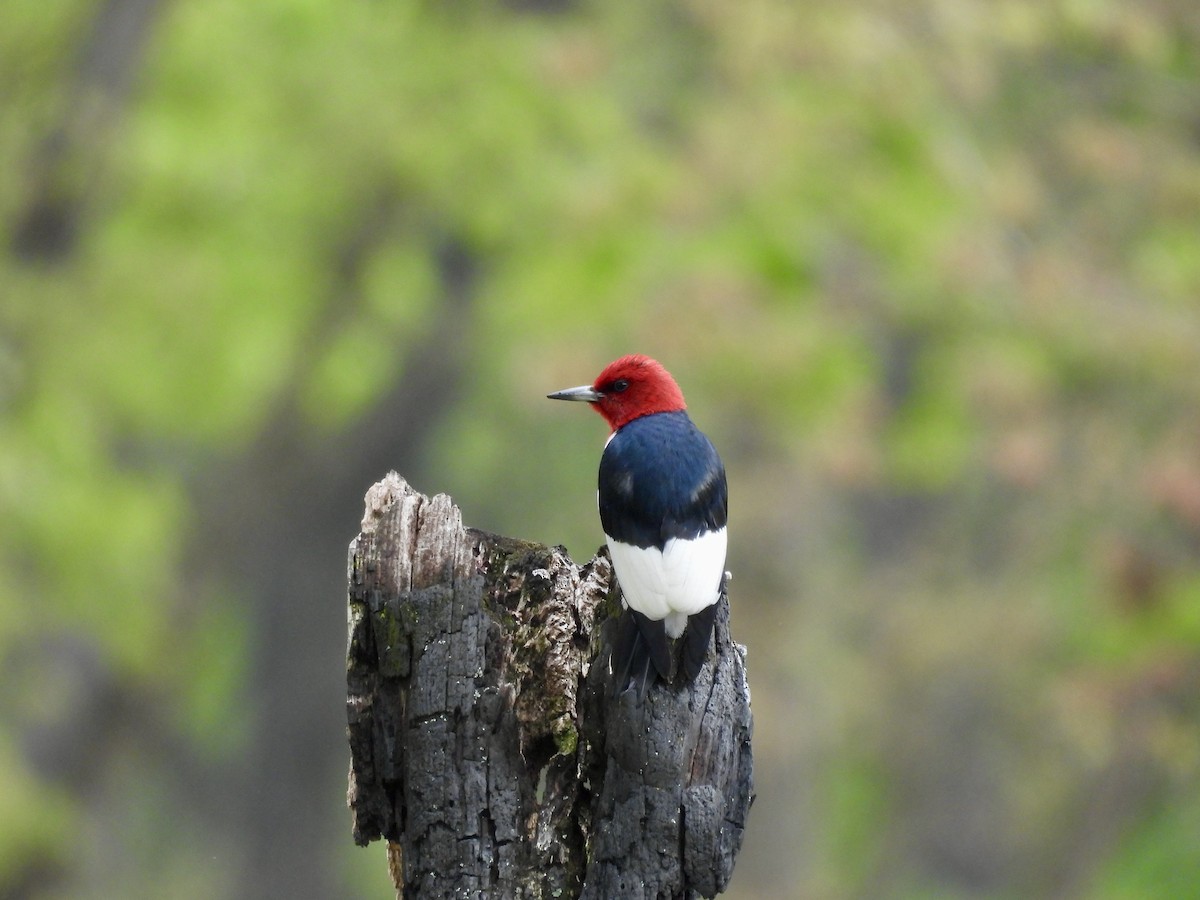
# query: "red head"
{"type": "Point", "coordinates": [629, 387]}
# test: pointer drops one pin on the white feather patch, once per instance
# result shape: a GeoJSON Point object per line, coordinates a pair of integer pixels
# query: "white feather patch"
{"type": "Point", "coordinates": [673, 583]}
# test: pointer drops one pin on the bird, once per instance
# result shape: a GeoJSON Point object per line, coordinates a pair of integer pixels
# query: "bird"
{"type": "Point", "coordinates": [663, 502]}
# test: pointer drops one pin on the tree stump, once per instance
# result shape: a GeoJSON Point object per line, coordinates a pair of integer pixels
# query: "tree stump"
{"type": "Point", "coordinates": [487, 745]}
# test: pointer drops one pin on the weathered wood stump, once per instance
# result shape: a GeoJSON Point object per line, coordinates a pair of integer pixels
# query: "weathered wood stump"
{"type": "Point", "coordinates": [487, 746]}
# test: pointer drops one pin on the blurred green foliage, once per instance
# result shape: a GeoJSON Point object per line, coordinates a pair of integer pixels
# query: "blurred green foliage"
{"type": "Point", "coordinates": [928, 274]}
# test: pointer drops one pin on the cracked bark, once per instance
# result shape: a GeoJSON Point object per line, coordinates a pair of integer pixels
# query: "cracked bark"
{"type": "Point", "coordinates": [486, 745]}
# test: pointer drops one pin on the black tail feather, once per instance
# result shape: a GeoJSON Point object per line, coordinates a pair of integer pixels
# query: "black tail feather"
{"type": "Point", "coordinates": [696, 639]}
{"type": "Point", "coordinates": [641, 654]}
{"type": "Point", "coordinates": [654, 636]}
{"type": "Point", "coordinates": [630, 658]}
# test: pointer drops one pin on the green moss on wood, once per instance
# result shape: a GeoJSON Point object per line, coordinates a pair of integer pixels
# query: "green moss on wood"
{"type": "Point", "coordinates": [566, 736]}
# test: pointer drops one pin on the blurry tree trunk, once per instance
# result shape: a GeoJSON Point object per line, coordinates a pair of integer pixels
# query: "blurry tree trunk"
{"type": "Point", "coordinates": [73, 152]}
{"type": "Point", "coordinates": [486, 745]}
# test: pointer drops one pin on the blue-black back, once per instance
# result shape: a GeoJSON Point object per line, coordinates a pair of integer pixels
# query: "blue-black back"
{"type": "Point", "coordinates": [661, 478]}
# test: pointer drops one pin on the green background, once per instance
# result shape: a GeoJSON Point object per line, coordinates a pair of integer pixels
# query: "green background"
{"type": "Point", "coordinates": [928, 273]}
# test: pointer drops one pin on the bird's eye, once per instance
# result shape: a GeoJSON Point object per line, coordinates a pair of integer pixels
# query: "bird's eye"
{"type": "Point", "coordinates": [619, 385]}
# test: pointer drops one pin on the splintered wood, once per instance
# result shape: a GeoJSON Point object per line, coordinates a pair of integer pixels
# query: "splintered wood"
{"type": "Point", "coordinates": [487, 746]}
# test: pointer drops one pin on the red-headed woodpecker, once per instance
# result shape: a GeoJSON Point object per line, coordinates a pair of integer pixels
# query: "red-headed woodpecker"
{"type": "Point", "coordinates": [663, 505]}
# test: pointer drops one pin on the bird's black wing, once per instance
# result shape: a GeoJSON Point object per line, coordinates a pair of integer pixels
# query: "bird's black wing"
{"type": "Point", "coordinates": [660, 478]}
